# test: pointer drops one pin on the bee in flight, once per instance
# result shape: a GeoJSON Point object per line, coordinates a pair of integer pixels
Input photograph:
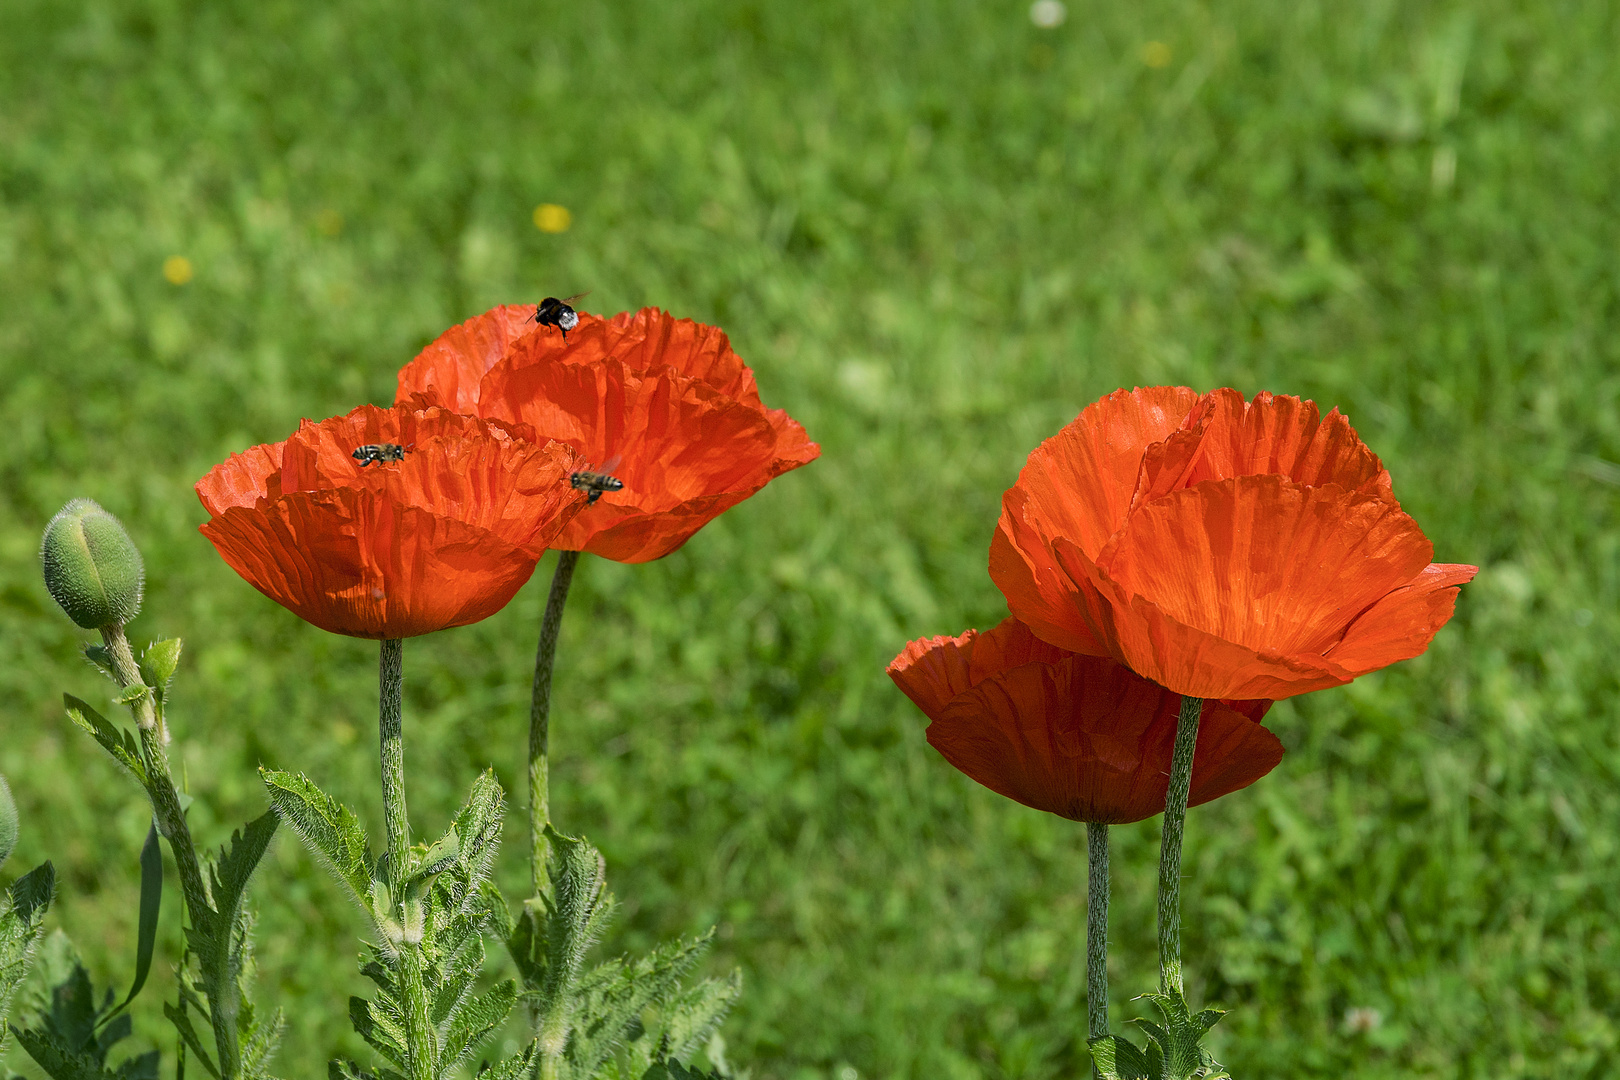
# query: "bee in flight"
{"type": "Point", "coordinates": [376, 453]}
{"type": "Point", "coordinates": [555, 312]}
{"type": "Point", "coordinates": [596, 483]}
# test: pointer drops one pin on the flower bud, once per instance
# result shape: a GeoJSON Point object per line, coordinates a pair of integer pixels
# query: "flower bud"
{"type": "Point", "coordinates": [8, 822]}
{"type": "Point", "coordinates": [92, 567]}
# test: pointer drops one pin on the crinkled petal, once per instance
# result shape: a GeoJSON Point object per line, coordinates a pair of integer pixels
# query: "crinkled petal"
{"type": "Point", "coordinates": [241, 479]}
{"type": "Point", "coordinates": [684, 452]}
{"type": "Point", "coordinates": [452, 366]}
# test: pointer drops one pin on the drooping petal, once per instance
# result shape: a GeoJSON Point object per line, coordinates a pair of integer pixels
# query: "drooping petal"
{"type": "Point", "coordinates": [1078, 736]}
{"type": "Point", "coordinates": [353, 562]}
{"type": "Point", "coordinates": [1401, 624]}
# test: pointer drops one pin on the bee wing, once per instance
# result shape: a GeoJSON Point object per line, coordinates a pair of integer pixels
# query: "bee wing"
{"type": "Point", "coordinates": [611, 463]}
{"type": "Point", "coordinates": [577, 296]}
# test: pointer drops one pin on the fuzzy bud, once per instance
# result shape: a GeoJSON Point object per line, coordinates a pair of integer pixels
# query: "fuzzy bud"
{"type": "Point", "coordinates": [92, 567]}
{"type": "Point", "coordinates": [8, 822]}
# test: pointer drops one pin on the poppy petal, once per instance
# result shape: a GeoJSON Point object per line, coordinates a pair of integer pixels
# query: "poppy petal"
{"type": "Point", "coordinates": [453, 364]}
{"type": "Point", "coordinates": [1266, 563]}
{"type": "Point", "coordinates": [1281, 435]}
{"type": "Point", "coordinates": [1401, 624]}
{"type": "Point", "coordinates": [353, 562]}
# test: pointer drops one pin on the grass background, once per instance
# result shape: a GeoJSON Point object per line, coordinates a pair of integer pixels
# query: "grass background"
{"type": "Point", "coordinates": [936, 231]}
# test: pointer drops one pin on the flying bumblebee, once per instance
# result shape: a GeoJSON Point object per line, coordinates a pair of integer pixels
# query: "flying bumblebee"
{"type": "Point", "coordinates": [596, 484]}
{"type": "Point", "coordinates": [555, 312]}
{"type": "Point", "coordinates": [376, 453]}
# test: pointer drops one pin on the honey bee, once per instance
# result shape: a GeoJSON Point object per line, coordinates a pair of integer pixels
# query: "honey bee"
{"type": "Point", "coordinates": [596, 483]}
{"type": "Point", "coordinates": [376, 453]}
{"type": "Point", "coordinates": [555, 312]}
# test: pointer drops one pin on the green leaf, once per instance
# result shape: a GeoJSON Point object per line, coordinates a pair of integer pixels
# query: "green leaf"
{"type": "Point", "coordinates": [146, 928]}
{"type": "Point", "coordinates": [73, 1037]}
{"type": "Point", "coordinates": [22, 921]}
{"type": "Point", "coordinates": [1174, 1051]}
{"type": "Point", "coordinates": [99, 656]}
{"type": "Point", "coordinates": [385, 1033]}
{"type": "Point", "coordinates": [8, 822]}
{"type": "Point", "coordinates": [1118, 1059]}
{"type": "Point", "coordinates": [131, 694]}
{"type": "Point", "coordinates": [159, 661]}
{"type": "Point", "coordinates": [233, 868]}
{"type": "Point", "coordinates": [182, 1023]}
{"type": "Point", "coordinates": [670, 1069]}
{"type": "Point", "coordinates": [514, 1068]}
{"type": "Point", "coordinates": [691, 1016]}
{"type": "Point", "coordinates": [613, 996]}
{"type": "Point", "coordinates": [116, 741]}
{"type": "Point", "coordinates": [473, 1023]}
{"type": "Point", "coordinates": [330, 830]}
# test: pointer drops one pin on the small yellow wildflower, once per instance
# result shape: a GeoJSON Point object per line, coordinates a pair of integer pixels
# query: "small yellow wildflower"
{"type": "Point", "coordinates": [1156, 54]}
{"type": "Point", "coordinates": [549, 217]}
{"type": "Point", "coordinates": [177, 269]}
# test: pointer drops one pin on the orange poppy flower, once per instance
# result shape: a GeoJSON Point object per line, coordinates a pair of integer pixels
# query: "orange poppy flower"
{"type": "Point", "coordinates": [666, 399]}
{"type": "Point", "coordinates": [1219, 547]}
{"type": "Point", "coordinates": [444, 536]}
{"type": "Point", "coordinates": [1080, 736]}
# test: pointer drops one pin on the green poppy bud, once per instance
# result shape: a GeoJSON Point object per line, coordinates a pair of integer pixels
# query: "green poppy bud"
{"type": "Point", "coordinates": [8, 822]}
{"type": "Point", "coordinates": [92, 567]}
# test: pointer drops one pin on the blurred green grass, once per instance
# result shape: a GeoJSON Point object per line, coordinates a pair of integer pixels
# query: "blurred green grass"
{"type": "Point", "coordinates": [936, 231]}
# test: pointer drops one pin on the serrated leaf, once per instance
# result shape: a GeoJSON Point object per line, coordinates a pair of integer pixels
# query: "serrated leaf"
{"type": "Point", "coordinates": [1117, 1058]}
{"type": "Point", "coordinates": [113, 739]}
{"type": "Point", "coordinates": [473, 1023]}
{"type": "Point", "coordinates": [22, 922]}
{"type": "Point", "coordinates": [159, 661]}
{"type": "Point", "coordinates": [57, 1058]}
{"type": "Point", "coordinates": [1178, 1042]}
{"type": "Point", "coordinates": [670, 1069]}
{"type": "Point", "coordinates": [331, 830]}
{"type": "Point", "coordinates": [233, 868]}
{"type": "Point", "coordinates": [385, 1033]}
{"type": "Point", "coordinates": [513, 1068]}
{"type": "Point", "coordinates": [691, 1016]}
{"type": "Point", "coordinates": [613, 996]}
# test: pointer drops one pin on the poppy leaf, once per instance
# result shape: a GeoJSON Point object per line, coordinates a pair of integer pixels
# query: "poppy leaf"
{"type": "Point", "coordinates": [328, 828]}
{"type": "Point", "coordinates": [113, 739]}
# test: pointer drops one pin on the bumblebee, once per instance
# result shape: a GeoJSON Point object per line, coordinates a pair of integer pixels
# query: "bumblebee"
{"type": "Point", "coordinates": [555, 312]}
{"type": "Point", "coordinates": [376, 453]}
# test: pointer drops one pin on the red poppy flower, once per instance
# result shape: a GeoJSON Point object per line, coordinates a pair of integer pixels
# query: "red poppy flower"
{"type": "Point", "coordinates": [442, 537]}
{"type": "Point", "coordinates": [1079, 736]}
{"type": "Point", "coordinates": [1219, 547]}
{"type": "Point", "coordinates": [666, 399]}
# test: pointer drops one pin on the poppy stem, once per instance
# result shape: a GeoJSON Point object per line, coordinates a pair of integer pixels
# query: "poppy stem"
{"type": "Point", "coordinates": [1175, 820]}
{"type": "Point", "coordinates": [1097, 929]}
{"type": "Point", "coordinates": [540, 722]}
{"type": "Point", "coordinates": [391, 733]}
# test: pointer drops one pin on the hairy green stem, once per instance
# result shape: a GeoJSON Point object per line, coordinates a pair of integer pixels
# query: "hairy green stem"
{"type": "Point", "coordinates": [391, 735]}
{"type": "Point", "coordinates": [220, 989]}
{"type": "Point", "coordinates": [540, 721]}
{"type": "Point", "coordinates": [1097, 929]}
{"type": "Point", "coordinates": [1175, 820]}
{"type": "Point", "coordinates": [421, 1049]}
